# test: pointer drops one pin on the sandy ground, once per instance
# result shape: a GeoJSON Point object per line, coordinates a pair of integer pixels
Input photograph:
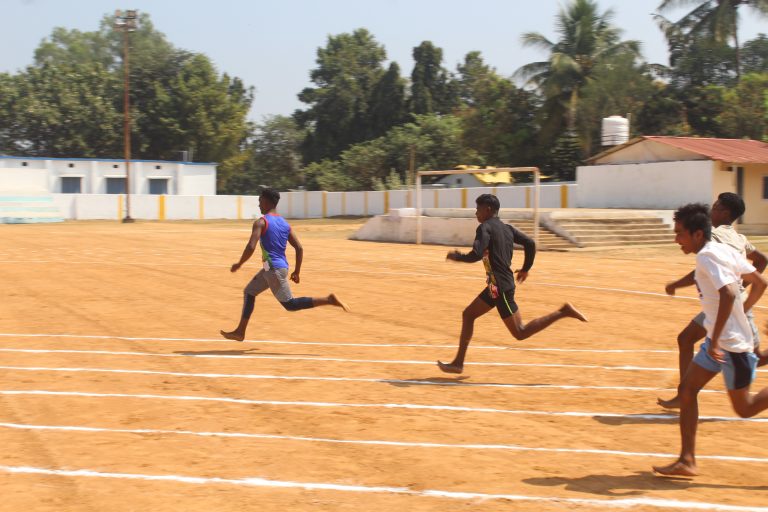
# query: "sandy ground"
{"type": "Point", "coordinates": [112, 331]}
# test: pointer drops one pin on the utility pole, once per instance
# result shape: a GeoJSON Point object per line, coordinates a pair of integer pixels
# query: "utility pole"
{"type": "Point", "coordinates": [126, 23]}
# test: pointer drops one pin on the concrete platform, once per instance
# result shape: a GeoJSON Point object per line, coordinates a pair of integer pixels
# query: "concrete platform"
{"type": "Point", "coordinates": [456, 226]}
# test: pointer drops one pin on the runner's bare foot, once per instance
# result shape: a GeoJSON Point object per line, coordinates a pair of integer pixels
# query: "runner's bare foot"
{"type": "Point", "coordinates": [678, 468]}
{"type": "Point", "coordinates": [569, 310]}
{"type": "Point", "coordinates": [450, 367]}
{"type": "Point", "coordinates": [333, 299]}
{"type": "Point", "coordinates": [234, 335]}
{"type": "Point", "coordinates": [672, 403]}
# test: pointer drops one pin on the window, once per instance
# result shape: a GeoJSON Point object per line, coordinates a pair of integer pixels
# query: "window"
{"type": "Point", "coordinates": [23, 164]}
{"type": "Point", "coordinates": [115, 166]}
{"type": "Point", "coordinates": [115, 185]}
{"type": "Point", "coordinates": [71, 166]}
{"type": "Point", "coordinates": [158, 186]}
{"type": "Point", "coordinates": [71, 185]}
{"type": "Point", "coordinates": [765, 187]}
{"type": "Point", "coordinates": [158, 167]}
{"type": "Point", "coordinates": [458, 181]}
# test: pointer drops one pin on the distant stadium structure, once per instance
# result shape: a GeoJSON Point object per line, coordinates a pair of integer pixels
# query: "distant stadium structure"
{"type": "Point", "coordinates": [105, 176]}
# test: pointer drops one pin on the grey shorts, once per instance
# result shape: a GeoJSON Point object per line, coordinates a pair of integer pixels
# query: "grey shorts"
{"type": "Point", "coordinates": [699, 320]}
{"type": "Point", "coordinates": [276, 280]}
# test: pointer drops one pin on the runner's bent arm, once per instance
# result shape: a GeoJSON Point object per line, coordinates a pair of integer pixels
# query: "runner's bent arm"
{"type": "Point", "coordinates": [687, 280]}
{"type": "Point", "coordinates": [294, 241]}
{"type": "Point", "coordinates": [757, 289]}
{"type": "Point", "coordinates": [482, 239]}
{"type": "Point", "coordinates": [529, 247]}
{"type": "Point", "coordinates": [758, 259]}
{"type": "Point", "coordinates": [728, 294]}
{"type": "Point", "coordinates": [250, 248]}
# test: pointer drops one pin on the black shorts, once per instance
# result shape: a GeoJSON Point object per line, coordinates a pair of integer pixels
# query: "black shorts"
{"type": "Point", "coordinates": [505, 303]}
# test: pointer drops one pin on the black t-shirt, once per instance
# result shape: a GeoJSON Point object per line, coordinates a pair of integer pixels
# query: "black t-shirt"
{"type": "Point", "coordinates": [495, 241]}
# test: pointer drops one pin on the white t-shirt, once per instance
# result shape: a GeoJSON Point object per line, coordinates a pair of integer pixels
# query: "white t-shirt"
{"type": "Point", "coordinates": [718, 265]}
{"type": "Point", "coordinates": [726, 234]}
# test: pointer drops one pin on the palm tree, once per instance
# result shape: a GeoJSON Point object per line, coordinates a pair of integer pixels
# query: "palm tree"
{"type": "Point", "coordinates": [586, 40]}
{"type": "Point", "coordinates": [717, 20]}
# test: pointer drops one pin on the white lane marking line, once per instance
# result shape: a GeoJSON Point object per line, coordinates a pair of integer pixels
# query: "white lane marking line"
{"type": "Point", "coordinates": [292, 403]}
{"type": "Point", "coordinates": [404, 444]}
{"type": "Point", "coordinates": [328, 344]}
{"type": "Point", "coordinates": [336, 359]}
{"type": "Point", "coordinates": [430, 493]}
{"type": "Point", "coordinates": [417, 382]}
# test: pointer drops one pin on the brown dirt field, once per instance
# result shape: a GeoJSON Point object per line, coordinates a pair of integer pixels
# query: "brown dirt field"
{"type": "Point", "coordinates": [141, 306]}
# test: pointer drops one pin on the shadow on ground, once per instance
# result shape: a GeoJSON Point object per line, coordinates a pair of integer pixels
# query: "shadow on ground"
{"type": "Point", "coordinates": [635, 484]}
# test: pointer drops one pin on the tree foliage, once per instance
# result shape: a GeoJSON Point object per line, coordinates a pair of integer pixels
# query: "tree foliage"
{"type": "Point", "coordinates": [587, 41]}
{"type": "Point", "coordinates": [715, 20]}
{"type": "Point", "coordinates": [349, 69]}
{"type": "Point", "coordinates": [363, 120]}
{"type": "Point", "coordinates": [432, 90]}
{"type": "Point", "coordinates": [69, 102]}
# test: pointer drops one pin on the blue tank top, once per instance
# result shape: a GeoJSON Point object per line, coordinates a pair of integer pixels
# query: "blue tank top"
{"type": "Point", "coordinates": [274, 239]}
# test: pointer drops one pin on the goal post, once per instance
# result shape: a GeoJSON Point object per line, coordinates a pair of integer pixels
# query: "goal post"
{"type": "Point", "coordinates": [536, 192]}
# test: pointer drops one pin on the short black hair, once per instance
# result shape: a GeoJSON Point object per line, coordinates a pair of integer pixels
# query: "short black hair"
{"type": "Point", "coordinates": [695, 217]}
{"type": "Point", "coordinates": [733, 203]}
{"type": "Point", "coordinates": [272, 195]}
{"type": "Point", "coordinates": [488, 200]}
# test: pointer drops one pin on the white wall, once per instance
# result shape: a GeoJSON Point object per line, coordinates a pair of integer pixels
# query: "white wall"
{"type": "Point", "coordinates": [298, 205]}
{"type": "Point", "coordinates": [656, 186]}
{"type": "Point", "coordinates": [23, 180]}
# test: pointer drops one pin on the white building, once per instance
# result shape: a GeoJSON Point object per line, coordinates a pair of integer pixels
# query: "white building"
{"type": "Point", "coordinates": [105, 176]}
{"type": "Point", "coordinates": [663, 173]}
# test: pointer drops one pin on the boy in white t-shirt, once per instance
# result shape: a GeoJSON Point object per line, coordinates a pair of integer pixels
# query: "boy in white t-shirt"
{"type": "Point", "coordinates": [729, 346]}
{"type": "Point", "coordinates": [726, 210]}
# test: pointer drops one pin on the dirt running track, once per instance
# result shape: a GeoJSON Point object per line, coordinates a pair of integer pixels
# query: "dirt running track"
{"type": "Point", "coordinates": [117, 395]}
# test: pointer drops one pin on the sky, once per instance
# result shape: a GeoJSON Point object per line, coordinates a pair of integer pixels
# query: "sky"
{"type": "Point", "coordinates": [272, 44]}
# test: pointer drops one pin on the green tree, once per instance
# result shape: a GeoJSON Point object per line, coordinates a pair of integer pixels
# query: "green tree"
{"type": "Point", "coordinates": [498, 119]}
{"type": "Point", "coordinates": [586, 40]}
{"type": "Point", "coordinates": [210, 112]}
{"type": "Point", "coordinates": [348, 69]}
{"type": "Point", "coordinates": [694, 59]}
{"type": "Point", "coordinates": [703, 107]}
{"type": "Point", "coordinates": [432, 91]}
{"type": "Point", "coordinates": [620, 86]}
{"type": "Point", "coordinates": [663, 113]}
{"type": "Point", "coordinates": [387, 104]}
{"type": "Point", "coordinates": [65, 110]}
{"type": "Point", "coordinates": [69, 102]}
{"type": "Point", "coordinates": [717, 20]}
{"type": "Point", "coordinates": [744, 112]}
{"type": "Point", "coordinates": [754, 56]}
{"type": "Point", "coordinates": [272, 159]}
{"type": "Point", "coordinates": [435, 139]}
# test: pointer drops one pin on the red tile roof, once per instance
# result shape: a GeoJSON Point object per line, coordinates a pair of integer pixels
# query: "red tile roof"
{"type": "Point", "coordinates": [730, 151]}
{"type": "Point", "coordinates": [736, 151]}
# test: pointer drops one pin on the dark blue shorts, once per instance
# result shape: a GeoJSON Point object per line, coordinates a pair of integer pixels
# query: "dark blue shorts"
{"type": "Point", "coordinates": [505, 303]}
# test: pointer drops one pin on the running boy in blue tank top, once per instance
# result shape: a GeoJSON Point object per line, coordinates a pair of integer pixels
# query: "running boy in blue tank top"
{"type": "Point", "coordinates": [274, 233]}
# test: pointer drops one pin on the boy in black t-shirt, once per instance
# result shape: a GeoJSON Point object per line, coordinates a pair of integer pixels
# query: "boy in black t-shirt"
{"type": "Point", "coordinates": [494, 242]}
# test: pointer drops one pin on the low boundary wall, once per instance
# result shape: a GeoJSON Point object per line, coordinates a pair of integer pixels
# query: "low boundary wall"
{"type": "Point", "coordinates": [444, 226]}
{"type": "Point", "coordinates": [300, 205]}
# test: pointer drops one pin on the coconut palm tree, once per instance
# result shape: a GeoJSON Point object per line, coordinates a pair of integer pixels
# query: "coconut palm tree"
{"type": "Point", "coordinates": [715, 19]}
{"type": "Point", "coordinates": [586, 40]}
